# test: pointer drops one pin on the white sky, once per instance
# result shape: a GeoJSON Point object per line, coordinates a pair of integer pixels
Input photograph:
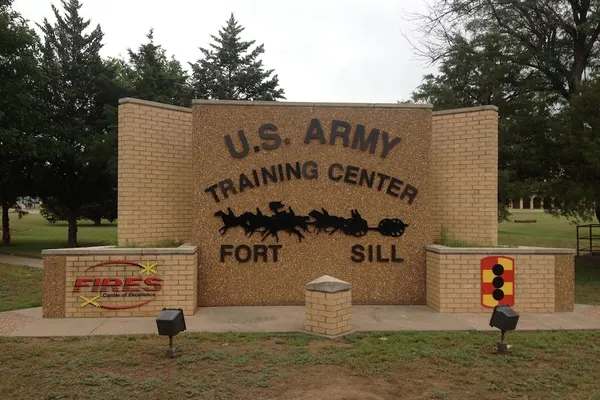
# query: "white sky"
{"type": "Point", "coordinates": [322, 50]}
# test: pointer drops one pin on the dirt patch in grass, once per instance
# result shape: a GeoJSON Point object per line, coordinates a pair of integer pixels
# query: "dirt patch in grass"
{"type": "Point", "coordinates": [316, 346]}
{"type": "Point", "coordinates": [310, 385]}
{"type": "Point", "coordinates": [442, 365]}
{"type": "Point", "coordinates": [20, 287]}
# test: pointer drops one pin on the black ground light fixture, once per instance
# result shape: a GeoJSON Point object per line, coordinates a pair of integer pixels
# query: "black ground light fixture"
{"type": "Point", "coordinates": [169, 323]}
{"type": "Point", "coordinates": [505, 319]}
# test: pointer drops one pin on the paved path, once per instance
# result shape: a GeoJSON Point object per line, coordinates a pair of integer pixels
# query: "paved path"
{"type": "Point", "coordinates": [291, 319]}
{"type": "Point", "coordinates": [16, 260]}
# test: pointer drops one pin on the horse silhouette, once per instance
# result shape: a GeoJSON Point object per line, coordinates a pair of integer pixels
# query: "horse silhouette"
{"type": "Point", "coordinates": [323, 221]}
{"type": "Point", "coordinates": [229, 220]}
{"type": "Point", "coordinates": [285, 221]}
{"type": "Point", "coordinates": [271, 225]}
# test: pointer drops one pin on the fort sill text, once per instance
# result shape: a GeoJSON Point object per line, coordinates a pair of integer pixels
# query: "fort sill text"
{"type": "Point", "coordinates": [341, 132]}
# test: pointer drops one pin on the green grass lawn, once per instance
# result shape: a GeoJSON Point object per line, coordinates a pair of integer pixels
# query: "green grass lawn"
{"type": "Point", "coordinates": [551, 231]}
{"type": "Point", "coordinates": [408, 365]}
{"type": "Point", "coordinates": [32, 233]}
{"type": "Point", "coordinates": [548, 231]}
{"type": "Point", "coordinates": [587, 280]}
{"type": "Point", "coordinates": [20, 287]}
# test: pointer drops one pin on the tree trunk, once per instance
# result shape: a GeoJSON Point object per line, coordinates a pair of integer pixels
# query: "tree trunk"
{"type": "Point", "coordinates": [98, 222]}
{"type": "Point", "coordinates": [598, 209]}
{"type": "Point", "coordinates": [72, 219]}
{"type": "Point", "coordinates": [5, 224]}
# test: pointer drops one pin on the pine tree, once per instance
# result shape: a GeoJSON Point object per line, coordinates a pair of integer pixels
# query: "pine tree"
{"type": "Point", "coordinates": [152, 76]}
{"type": "Point", "coordinates": [80, 88]}
{"type": "Point", "coordinates": [230, 70]}
{"type": "Point", "coordinates": [19, 110]}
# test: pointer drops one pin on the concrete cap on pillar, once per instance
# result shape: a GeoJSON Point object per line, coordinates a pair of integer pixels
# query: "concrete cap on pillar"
{"type": "Point", "coordinates": [328, 284]}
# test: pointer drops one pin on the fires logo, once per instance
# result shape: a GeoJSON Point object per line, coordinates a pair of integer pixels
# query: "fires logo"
{"type": "Point", "coordinates": [143, 284]}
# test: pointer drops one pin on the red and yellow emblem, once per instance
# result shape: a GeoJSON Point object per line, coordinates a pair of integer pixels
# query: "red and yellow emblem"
{"type": "Point", "coordinates": [134, 287]}
{"type": "Point", "coordinates": [497, 281]}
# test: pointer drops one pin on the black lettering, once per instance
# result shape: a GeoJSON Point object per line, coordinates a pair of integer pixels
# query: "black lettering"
{"type": "Point", "coordinates": [410, 192]}
{"type": "Point", "coordinates": [394, 185]}
{"type": "Point", "coordinates": [370, 143]}
{"type": "Point", "coordinates": [245, 182]}
{"type": "Point", "coordinates": [330, 172]}
{"type": "Point", "coordinates": [370, 253]}
{"type": "Point", "coordinates": [315, 131]}
{"type": "Point", "coordinates": [272, 175]}
{"type": "Point", "coordinates": [394, 258]}
{"type": "Point", "coordinates": [238, 251]}
{"type": "Point", "coordinates": [275, 247]}
{"type": "Point", "coordinates": [387, 145]}
{"type": "Point", "coordinates": [357, 253]}
{"type": "Point", "coordinates": [269, 136]}
{"type": "Point", "coordinates": [256, 180]}
{"type": "Point", "coordinates": [344, 134]}
{"type": "Point", "coordinates": [382, 179]}
{"type": "Point", "coordinates": [231, 147]}
{"type": "Point", "coordinates": [312, 173]}
{"type": "Point", "coordinates": [351, 172]}
{"type": "Point", "coordinates": [289, 170]}
{"type": "Point", "coordinates": [260, 250]}
{"type": "Point", "coordinates": [227, 186]}
{"type": "Point", "coordinates": [280, 168]}
{"type": "Point", "coordinates": [364, 176]}
{"type": "Point", "coordinates": [380, 257]}
{"type": "Point", "coordinates": [212, 190]}
{"type": "Point", "coordinates": [225, 251]}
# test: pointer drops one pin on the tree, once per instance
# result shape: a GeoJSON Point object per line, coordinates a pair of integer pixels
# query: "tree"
{"type": "Point", "coordinates": [577, 182]}
{"type": "Point", "coordinates": [555, 38]}
{"type": "Point", "coordinates": [556, 44]}
{"type": "Point", "coordinates": [19, 110]}
{"type": "Point", "coordinates": [105, 209]}
{"type": "Point", "coordinates": [229, 70]}
{"type": "Point", "coordinates": [475, 72]}
{"type": "Point", "coordinates": [150, 75]}
{"type": "Point", "coordinates": [81, 100]}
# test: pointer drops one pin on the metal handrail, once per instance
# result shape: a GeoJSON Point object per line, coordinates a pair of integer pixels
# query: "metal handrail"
{"type": "Point", "coordinates": [591, 237]}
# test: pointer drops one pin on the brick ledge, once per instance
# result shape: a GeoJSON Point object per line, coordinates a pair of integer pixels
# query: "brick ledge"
{"type": "Point", "coordinates": [308, 104]}
{"type": "Point", "coordinates": [465, 110]}
{"type": "Point", "coordinates": [111, 250]}
{"type": "Point", "coordinates": [439, 249]}
{"type": "Point", "coordinates": [133, 100]}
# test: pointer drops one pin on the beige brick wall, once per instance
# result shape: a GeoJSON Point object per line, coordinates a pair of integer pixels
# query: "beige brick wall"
{"type": "Point", "coordinates": [155, 164]}
{"type": "Point", "coordinates": [453, 282]}
{"type": "Point", "coordinates": [432, 280]}
{"type": "Point", "coordinates": [534, 283]}
{"type": "Point", "coordinates": [464, 173]}
{"type": "Point", "coordinates": [328, 313]}
{"type": "Point", "coordinates": [177, 271]}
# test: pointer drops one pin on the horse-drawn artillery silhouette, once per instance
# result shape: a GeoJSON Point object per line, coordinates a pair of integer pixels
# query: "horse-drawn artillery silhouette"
{"type": "Point", "coordinates": [271, 225]}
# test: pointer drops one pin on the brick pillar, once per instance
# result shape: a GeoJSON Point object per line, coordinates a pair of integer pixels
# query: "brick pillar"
{"type": "Point", "coordinates": [328, 306]}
